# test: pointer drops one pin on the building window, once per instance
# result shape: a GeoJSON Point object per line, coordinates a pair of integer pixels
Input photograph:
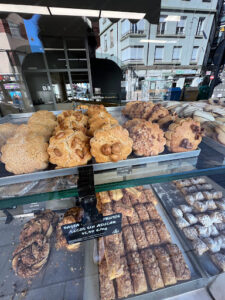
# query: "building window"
{"type": "Point", "coordinates": [158, 53]}
{"type": "Point", "coordinates": [176, 53]}
{"type": "Point", "coordinates": [111, 39]}
{"type": "Point", "coordinates": [133, 53]}
{"type": "Point", "coordinates": [105, 43]}
{"type": "Point", "coordinates": [180, 29]}
{"type": "Point", "coordinates": [135, 28]}
{"type": "Point", "coordinates": [14, 29]}
{"type": "Point", "coordinates": [200, 26]}
{"type": "Point", "coordinates": [194, 55]}
{"type": "Point", "coordinates": [162, 25]}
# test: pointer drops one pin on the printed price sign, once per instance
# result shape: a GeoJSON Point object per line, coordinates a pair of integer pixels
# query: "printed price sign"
{"type": "Point", "coordinates": [79, 232]}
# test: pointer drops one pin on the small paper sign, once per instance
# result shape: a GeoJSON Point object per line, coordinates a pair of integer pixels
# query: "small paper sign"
{"type": "Point", "coordinates": [79, 232]}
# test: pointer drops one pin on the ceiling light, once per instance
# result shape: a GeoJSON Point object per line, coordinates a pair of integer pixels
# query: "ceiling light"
{"type": "Point", "coordinates": [121, 15]}
{"type": "Point", "coordinates": [61, 11]}
{"type": "Point", "coordinates": [158, 41]}
{"type": "Point", "coordinates": [173, 18]}
{"type": "Point", "coordinates": [26, 9]}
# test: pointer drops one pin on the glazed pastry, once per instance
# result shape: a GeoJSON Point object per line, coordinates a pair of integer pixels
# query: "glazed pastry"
{"type": "Point", "coordinates": [200, 206]}
{"type": "Point", "coordinates": [216, 217]}
{"type": "Point", "coordinates": [204, 187]}
{"type": "Point", "coordinates": [183, 135]}
{"type": "Point", "coordinates": [148, 139]}
{"type": "Point", "coordinates": [116, 195]}
{"type": "Point", "coordinates": [191, 218]}
{"type": "Point", "coordinates": [112, 144]}
{"type": "Point", "coordinates": [211, 205]}
{"type": "Point", "coordinates": [140, 237]}
{"type": "Point", "coordinates": [165, 265]}
{"type": "Point", "coordinates": [198, 180]}
{"type": "Point", "coordinates": [191, 233]}
{"type": "Point", "coordinates": [137, 272]}
{"type": "Point", "coordinates": [213, 195]}
{"type": "Point", "coordinates": [182, 223]}
{"type": "Point", "coordinates": [220, 226]}
{"type": "Point", "coordinates": [182, 183]}
{"type": "Point", "coordinates": [152, 270]}
{"type": "Point", "coordinates": [188, 190]}
{"type": "Point", "coordinates": [219, 260]}
{"type": "Point", "coordinates": [176, 212]}
{"type": "Point", "coordinates": [181, 269]}
{"type": "Point", "coordinates": [205, 232]}
{"type": "Point", "coordinates": [194, 197]}
{"type": "Point", "coordinates": [205, 220]}
{"type": "Point", "coordinates": [162, 231]}
{"type": "Point", "coordinates": [185, 208]}
{"type": "Point", "coordinates": [151, 233]}
{"type": "Point", "coordinates": [212, 244]}
{"type": "Point", "coordinates": [220, 204]}
{"type": "Point", "coordinates": [123, 283]}
{"type": "Point", "coordinates": [199, 246]}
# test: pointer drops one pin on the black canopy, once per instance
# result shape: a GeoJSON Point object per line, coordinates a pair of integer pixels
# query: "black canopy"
{"type": "Point", "coordinates": [150, 7]}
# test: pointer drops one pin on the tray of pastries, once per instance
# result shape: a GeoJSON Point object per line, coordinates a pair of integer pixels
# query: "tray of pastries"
{"type": "Point", "coordinates": [197, 209]}
{"type": "Point", "coordinates": [49, 144]}
{"type": "Point", "coordinates": [36, 260]}
{"type": "Point", "coordinates": [146, 256]}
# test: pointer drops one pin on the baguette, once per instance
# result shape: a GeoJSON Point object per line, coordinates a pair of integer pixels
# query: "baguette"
{"type": "Point", "coordinates": [137, 273]}
{"type": "Point", "coordinates": [142, 213]}
{"type": "Point", "coordinates": [152, 211]}
{"type": "Point", "coordinates": [107, 291]}
{"type": "Point", "coordinates": [140, 237]}
{"type": "Point", "coordinates": [162, 232]}
{"type": "Point", "coordinates": [128, 236]}
{"type": "Point", "coordinates": [165, 265]}
{"type": "Point", "coordinates": [152, 269]}
{"type": "Point", "coordinates": [123, 283]}
{"type": "Point", "coordinates": [151, 233]}
{"type": "Point", "coordinates": [181, 269]}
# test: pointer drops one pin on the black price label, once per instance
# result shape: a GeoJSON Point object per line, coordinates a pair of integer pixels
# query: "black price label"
{"type": "Point", "coordinates": [79, 232]}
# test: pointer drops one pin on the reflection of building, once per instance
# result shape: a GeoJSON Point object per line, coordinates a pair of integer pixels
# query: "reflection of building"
{"type": "Point", "coordinates": [178, 46]}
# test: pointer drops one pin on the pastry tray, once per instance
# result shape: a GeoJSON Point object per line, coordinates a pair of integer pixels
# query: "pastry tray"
{"type": "Point", "coordinates": [61, 278]}
{"type": "Point", "coordinates": [197, 281]}
{"type": "Point", "coordinates": [171, 197]}
{"type": "Point", "coordinates": [8, 178]}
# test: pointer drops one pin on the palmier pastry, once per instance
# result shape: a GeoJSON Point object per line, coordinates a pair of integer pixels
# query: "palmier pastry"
{"type": "Point", "coordinates": [112, 144]}
{"type": "Point", "coordinates": [69, 149]}
{"type": "Point", "coordinates": [148, 139]}
{"type": "Point", "coordinates": [183, 135]}
{"type": "Point", "coordinates": [7, 130]}
{"type": "Point", "coordinates": [25, 154]}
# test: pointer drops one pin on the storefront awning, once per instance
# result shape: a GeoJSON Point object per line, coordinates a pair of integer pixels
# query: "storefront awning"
{"type": "Point", "coordinates": [112, 9]}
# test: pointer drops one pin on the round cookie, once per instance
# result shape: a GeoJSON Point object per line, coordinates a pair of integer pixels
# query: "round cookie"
{"type": "Point", "coordinates": [75, 121]}
{"type": "Point", "coordinates": [165, 122]}
{"type": "Point", "coordinates": [69, 149]}
{"type": "Point", "coordinates": [183, 135]}
{"type": "Point", "coordinates": [148, 139]}
{"type": "Point", "coordinates": [42, 114]}
{"type": "Point", "coordinates": [34, 128]}
{"type": "Point", "coordinates": [50, 123]}
{"type": "Point", "coordinates": [158, 112]}
{"type": "Point", "coordinates": [127, 108]}
{"type": "Point", "coordinates": [93, 109]}
{"type": "Point", "coordinates": [25, 154]}
{"type": "Point", "coordinates": [131, 123]}
{"type": "Point", "coordinates": [7, 130]}
{"type": "Point", "coordinates": [112, 144]}
{"type": "Point", "coordinates": [97, 123]}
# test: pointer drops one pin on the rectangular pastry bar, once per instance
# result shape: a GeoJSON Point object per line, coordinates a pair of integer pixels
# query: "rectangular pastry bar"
{"type": "Point", "coordinates": [104, 197]}
{"type": "Point", "coordinates": [107, 291]}
{"type": "Point", "coordinates": [123, 283]}
{"type": "Point", "coordinates": [119, 207]}
{"type": "Point", "coordinates": [124, 221]}
{"type": "Point", "coordinates": [152, 211]}
{"type": "Point", "coordinates": [142, 212]}
{"type": "Point", "coordinates": [152, 269]}
{"type": "Point", "coordinates": [137, 273]}
{"type": "Point", "coordinates": [165, 265]}
{"type": "Point", "coordinates": [128, 236]}
{"type": "Point", "coordinates": [181, 269]}
{"type": "Point", "coordinates": [134, 219]}
{"type": "Point", "coordinates": [151, 233]}
{"type": "Point", "coordinates": [134, 194]}
{"type": "Point", "coordinates": [140, 237]}
{"type": "Point", "coordinates": [162, 232]}
{"type": "Point", "coordinates": [150, 196]}
{"type": "Point", "coordinates": [116, 195]}
{"type": "Point", "coordinates": [107, 209]}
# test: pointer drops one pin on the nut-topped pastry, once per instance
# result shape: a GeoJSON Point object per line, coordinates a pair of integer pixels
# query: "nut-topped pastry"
{"type": "Point", "coordinates": [148, 139]}
{"type": "Point", "coordinates": [111, 143]}
{"type": "Point", "coordinates": [76, 121]}
{"type": "Point", "coordinates": [69, 149]}
{"type": "Point", "coordinates": [183, 135]}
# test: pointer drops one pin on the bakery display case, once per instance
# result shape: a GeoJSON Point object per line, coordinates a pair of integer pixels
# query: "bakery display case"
{"type": "Point", "coordinates": [126, 223]}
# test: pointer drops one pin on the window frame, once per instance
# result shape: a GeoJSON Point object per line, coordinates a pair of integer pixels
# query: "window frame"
{"type": "Point", "coordinates": [158, 59]}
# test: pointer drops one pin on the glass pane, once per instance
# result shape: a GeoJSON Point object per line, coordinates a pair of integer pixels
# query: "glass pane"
{"type": "Point", "coordinates": [56, 59]}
